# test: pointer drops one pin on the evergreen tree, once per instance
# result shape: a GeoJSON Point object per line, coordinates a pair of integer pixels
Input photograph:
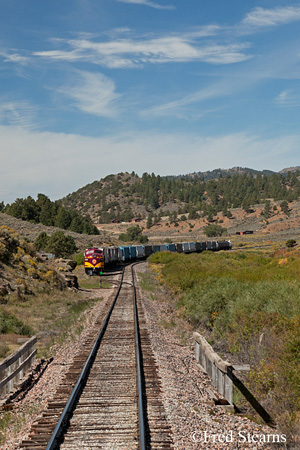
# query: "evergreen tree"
{"type": "Point", "coordinates": [41, 241]}
{"type": "Point", "coordinates": [285, 207]}
{"type": "Point", "coordinates": [63, 218]}
{"type": "Point", "coordinates": [62, 246]}
{"type": "Point", "coordinates": [149, 220]}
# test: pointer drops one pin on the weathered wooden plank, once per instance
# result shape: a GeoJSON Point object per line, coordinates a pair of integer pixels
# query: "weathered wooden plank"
{"type": "Point", "coordinates": [14, 356]}
{"type": "Point", "coordinates": [16, 371]}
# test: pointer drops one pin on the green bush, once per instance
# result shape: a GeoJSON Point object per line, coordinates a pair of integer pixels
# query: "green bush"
{"type": "Point", "coordinates": [133, 234]}
{"type": "Point", "coordinates": [9, 242]}
{"type": "Point", "coordinates": [291, 243]}
{"type": "Point", "coordinates": [214, 230]}
{"type": "Point", "coordinates": [41, 241]}
{"type": "Point", "coordinates": [79, 258]}
{"type": "Point", "coordinates": [9, 323]}
{"type": "Point", "coordinates": [62, 246]}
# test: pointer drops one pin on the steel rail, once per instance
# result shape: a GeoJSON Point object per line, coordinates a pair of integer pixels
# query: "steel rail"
{"type": "Point", "coordinates": [65, 415]}
{"type": "Point", "coordinates": [140, 374]}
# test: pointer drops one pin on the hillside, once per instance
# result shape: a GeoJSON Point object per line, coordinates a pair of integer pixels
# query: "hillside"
{"type": "Point", "coordinates": [124, 196]}
{"type": "Point", "coordinates": [30, 231]}
{"type": "Point", "coordinates": [34, 294]}
{"type": "Point", "coordinates": [217, 173]}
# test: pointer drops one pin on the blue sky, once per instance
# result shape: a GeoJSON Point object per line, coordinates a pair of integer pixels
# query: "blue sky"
{"type": "Point", "coordinates": [89, 88]}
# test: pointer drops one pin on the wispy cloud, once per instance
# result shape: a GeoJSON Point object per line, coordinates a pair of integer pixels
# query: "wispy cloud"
{"type": "Point", "coordinates": [148, 3]}
{"type": "Point", "coordinates": [181, 107]}
{"type": "Point", "coordinates": [92, 93]}
{"type": "Point", "coordinates": [17, 113]}
{"type": "Point", "coordinates": [261, 17]}
{"type": "Point", "coordinates": [288, 97]}
{"type": "Point", "coordinates": [13, 57]}
{"type": "Point", "coordinates": [176, 107]}
{"type": "Point", "coordinates": [120, 53]}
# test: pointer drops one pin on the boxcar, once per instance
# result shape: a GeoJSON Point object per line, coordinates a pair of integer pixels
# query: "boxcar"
{"type": "Point", "coordinates": [140, 251]}
{"type": "Point", "coordinates": [212, 245]}
{"type": "Point", "coordinates": [148, 250]}
{"type": "Point", "coordinates": [185, 247]}
{"type": "Point", "coordinates": [155, 248]}
{"type": "Point", "coordinates": [198, 247]}
{"type": "Point", "coordinates": [125, 254]}
{"type": "Point", "coordinates": [163, 248]}
{"type": "Point", "coordinates": [179, 247]}
{"type": "Point", "coordinates": [132, 252]}
{"type": "Point", "coordinates": [192, 247]}
{"type": "Point", "coordinates": [107, 255]}
{"type": "Point", "coordinates": [171, 247]}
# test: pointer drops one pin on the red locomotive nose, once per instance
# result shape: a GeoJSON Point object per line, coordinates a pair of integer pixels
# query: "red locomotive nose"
{"type": "Point", "coordinates": [94, 261]}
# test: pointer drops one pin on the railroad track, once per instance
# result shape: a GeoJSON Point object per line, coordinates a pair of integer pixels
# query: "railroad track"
{"type": "Point", "coordinates": [110, 398]}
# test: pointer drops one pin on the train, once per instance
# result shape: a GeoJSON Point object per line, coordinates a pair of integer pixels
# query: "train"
{"type": "Point", "coordinates": [96, 259]}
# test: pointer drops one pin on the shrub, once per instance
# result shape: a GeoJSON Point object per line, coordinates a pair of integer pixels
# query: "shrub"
{"type": "Point", "coordinates": [291, 243]}
{"type": "Point", "coordinates": [9, 323]}
{"type": "Point", "coordinates": [214, 230]}
{"type": "Point", "coordinates": [4, 350]}
{"type": "Point", "coordinates": [134, 234]}
{"type": "Point", "coordinates": [79, 258]}
{"type": "Point", "coordinates": [9, 243]}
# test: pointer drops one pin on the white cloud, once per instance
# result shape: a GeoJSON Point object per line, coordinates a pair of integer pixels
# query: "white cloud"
{"type": "Point", "coordinates": [148, 3]}
{"type": "Point", "coordinates": [260, 17]}
{"type": "Point", "coordinates": [60, 55]}
{"type": "Point", "coordinates": [58, 163]}
{"type": "Point", "coordinates": [93, 93]}
{"type": "Point", "coordinates": [134, 52]}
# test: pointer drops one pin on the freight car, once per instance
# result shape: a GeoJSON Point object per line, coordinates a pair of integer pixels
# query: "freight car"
{"type": "Point", "coordinates": [97, 258]}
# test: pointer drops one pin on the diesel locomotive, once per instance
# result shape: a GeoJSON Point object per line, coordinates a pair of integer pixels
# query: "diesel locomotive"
{"type": "Point", "coordinates": [94, 261]}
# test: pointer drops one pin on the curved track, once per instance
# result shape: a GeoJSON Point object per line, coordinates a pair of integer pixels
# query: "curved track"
{"type": "Point", "coordinates": [115, 400]}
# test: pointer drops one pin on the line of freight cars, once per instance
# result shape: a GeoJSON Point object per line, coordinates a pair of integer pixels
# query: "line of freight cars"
{"type": "Point", "coordinates": [97, 258]}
